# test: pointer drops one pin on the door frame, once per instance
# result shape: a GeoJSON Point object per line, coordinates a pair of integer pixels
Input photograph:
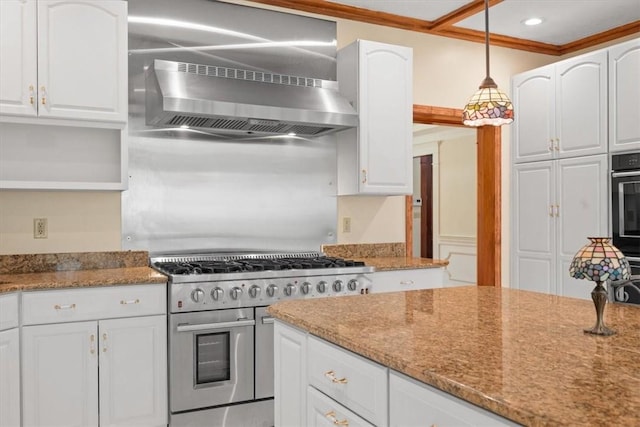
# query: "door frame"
{"type": "Point", "coordinates": [489, 256]}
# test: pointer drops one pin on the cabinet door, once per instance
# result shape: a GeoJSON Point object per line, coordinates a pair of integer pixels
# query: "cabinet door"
{"type": "Point", "coordinates": [385, 107]}
{"type": "Point", "coordinates": [82, 59]}
{"type": "Point", "coordinates": [290, 380]}
{"type": "Point", "coordinates": [60, 375]}
{"type": "Point", "coordinates": [582, 194]}
{"type": "Point", "coordinates": [18, 56]}
{"type": "Point", "coordinates": [534, 124]}
{"type": "Point", "coordinates": [581, 105]}
{"type": "Point", "coordinates": [624, 96]}
{"type": "Point", "coordinates": [534, 227]}
{"type": "Point", "coordinates": [133, 371]}
{"type": "Point", "coordinates": [10, 374]}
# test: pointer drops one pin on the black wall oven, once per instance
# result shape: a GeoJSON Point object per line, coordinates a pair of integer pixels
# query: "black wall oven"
{"type": "Point", "coordinates": [625, 216]}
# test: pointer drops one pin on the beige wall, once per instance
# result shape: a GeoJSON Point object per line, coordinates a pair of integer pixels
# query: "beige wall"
{"type": "Point", "coordinates": [82, 221]}
{"type": "Point", "coordinates": [446, 73]}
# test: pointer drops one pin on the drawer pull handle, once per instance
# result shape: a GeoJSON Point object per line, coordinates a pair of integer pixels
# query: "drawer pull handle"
{"type": "Point", "coordinates": [406, 282]}
{"type": "Point", "coordinates": [131, 301]}
{"type": "Point", "coordinates": [104, 343]}
{"type": "Point", "coordinates": [92, 348]}
{"type": "Point", "coordinates": [64, 307]}
{"type": "Point", "coordinates": [331, 415]}
{"type": "Point", "coordinates": [332, 376]}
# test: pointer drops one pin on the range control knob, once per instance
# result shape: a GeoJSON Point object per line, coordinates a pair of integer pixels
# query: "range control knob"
{"type": "Point", "coordinates": [197, 295]}
{"type": "Point", "coordinates": [322, 286]}
{"type": "Point", "coordinates": [236, 292]}
{"type": "Point", "coordinates": [305, 288]}
{"type": "Point", "coordinates": [272, 290]}
{"type": "Point", "coordinates": [254, 291]}
{"type": "Point", "coordinates": [217, 294]}
{"type": "Point", "coordinates": [352, 285]}
{"type": "Point", "coordinates": [290, 290]}
{"type": "Point", "coordinates": [337, 285]}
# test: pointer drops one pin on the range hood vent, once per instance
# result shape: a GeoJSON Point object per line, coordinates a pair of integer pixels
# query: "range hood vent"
{"type": "Point", "coordinates": [243, 102]}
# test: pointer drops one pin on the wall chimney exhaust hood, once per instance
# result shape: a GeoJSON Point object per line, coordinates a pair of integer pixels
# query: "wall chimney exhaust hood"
{"type": "Point", "coordinates": [243, 102]}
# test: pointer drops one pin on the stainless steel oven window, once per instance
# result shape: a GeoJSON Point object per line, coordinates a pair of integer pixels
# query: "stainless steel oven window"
{"type": "Point", "coordinates": [629, 208]}
{"type": "Point", "coordinates": [213, 358]}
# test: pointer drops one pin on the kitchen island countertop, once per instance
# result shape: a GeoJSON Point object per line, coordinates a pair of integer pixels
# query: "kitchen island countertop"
{"type": "Point", "coordinates": [522, 355]}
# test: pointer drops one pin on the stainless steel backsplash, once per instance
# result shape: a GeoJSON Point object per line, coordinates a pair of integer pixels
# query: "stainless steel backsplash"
{"type": "Point", "coordinates": [191, 191]}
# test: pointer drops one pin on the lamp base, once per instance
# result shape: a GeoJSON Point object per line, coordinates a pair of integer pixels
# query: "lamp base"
{"type": "Point", "coordinates": [599, 297]}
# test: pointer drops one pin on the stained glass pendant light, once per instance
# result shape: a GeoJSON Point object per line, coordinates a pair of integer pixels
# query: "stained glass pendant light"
{"type": "Point", "coordinates": [489, 105]}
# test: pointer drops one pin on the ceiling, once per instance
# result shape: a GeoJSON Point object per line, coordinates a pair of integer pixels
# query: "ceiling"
{"type": "Point", "coordinates": [567, 26]}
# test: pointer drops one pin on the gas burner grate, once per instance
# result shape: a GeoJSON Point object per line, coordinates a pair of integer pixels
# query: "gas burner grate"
{"type": "Point", "coordinates": [207, 266]}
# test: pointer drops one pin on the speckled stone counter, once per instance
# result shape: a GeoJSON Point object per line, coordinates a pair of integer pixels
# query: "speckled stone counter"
{"type": "Point", "coordinates": [72, 270]}
{"type": "Point", "coordinates": [382, 256]}
{"type": "Point", "coordinates": [520, 354]}
{"type": "Point", "coordinates": [365, 250]}
{"type": "Point", "coordinates": [403, 263]}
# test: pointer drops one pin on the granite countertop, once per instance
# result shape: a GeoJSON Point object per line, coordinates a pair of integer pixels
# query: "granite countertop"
{"type": "Point", "coordinates": [75, 270]}
{"type": "Point", "coordinates": [382, 256]}
{"type": "Point", "coordinates": [520, 354]}
{"type": "Point", "coordinates": [402, 263]}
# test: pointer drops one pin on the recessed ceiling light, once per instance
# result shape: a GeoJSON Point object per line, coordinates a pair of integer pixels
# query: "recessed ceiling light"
{"type": "Point", "coordinates": [532, 21]}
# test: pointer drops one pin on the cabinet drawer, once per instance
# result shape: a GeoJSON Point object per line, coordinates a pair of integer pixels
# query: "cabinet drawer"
{"type": "Point", "coordinates": [70, 305]}
{"type": "Point", "coordinates": [355, 382]}
{"type": "Point", "coordinates": [8, 311]}
{"type": "Point", "coordinates": [322, 411]}
{"type": "Point", "coordinates": [407, 280]}
{"type": "Point", "coordinates": [412, 403]}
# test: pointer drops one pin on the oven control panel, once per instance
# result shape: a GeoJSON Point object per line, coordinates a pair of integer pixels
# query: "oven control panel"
{"type": "Point", "coordinates": [216, 295]}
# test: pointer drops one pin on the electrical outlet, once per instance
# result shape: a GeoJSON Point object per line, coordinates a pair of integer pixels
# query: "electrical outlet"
{"type": "Point", "coordinates": [346, 224]}
{"type": "Point", "coordinates": [40, 230]}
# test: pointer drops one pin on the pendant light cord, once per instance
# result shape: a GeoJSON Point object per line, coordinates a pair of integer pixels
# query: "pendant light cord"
{"type": "Point", "coordinates": [486, 34]}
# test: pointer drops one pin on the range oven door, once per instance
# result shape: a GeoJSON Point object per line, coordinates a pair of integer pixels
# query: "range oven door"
{"type": "Point", "coordinates": [210, 358]}
{"type": "Point", "coordinates": [625, 212]}
{"type": "Point", "coordinates": [264, 354]}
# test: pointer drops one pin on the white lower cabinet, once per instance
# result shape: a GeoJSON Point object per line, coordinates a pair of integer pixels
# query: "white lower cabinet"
{"type": "Point", "coordinates": [9, 361]}
{"type": "Point", "coordinates": [60, 375]}
{"type": "Point", "coordinates": [325, 412]}
{"type": "Point", "coordinates": [412, 403]}
{"type": "Point", "coordinates": [106, 372]}
{"type": "Point", "coordinates": [406, 280]}
{"type": "Point", "coordinates": [290, 381]}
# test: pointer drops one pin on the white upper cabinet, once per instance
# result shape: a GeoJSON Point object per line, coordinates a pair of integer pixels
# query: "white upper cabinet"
{"type": "Point", "coordinates": [624, 96]}
{"type": "Point", "coordinates": [375, 158]}
{"type": "Point", "coordinates": [561, 109]}
{"type": "Point", "coordinates": [18, 47]}
{"type": "Point", "coordinates": [68, 61]}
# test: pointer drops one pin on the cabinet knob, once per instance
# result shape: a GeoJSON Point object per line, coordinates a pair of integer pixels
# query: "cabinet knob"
{"type": "Point", "coordinates": [331, 415]}
{"type": "Point", "coordinates": [92, 348]}
{"type": "Point", "coordinates": [557, 147]}
{"type": "Point", "coordinates": [551, 211]}
{"type": "Point", "coordinates": [104, 343]}
{"type": "Point", "coordinates": [44, 95]}
{"type": "Point", "coordinates": [31, 98]}
{"type": "Point", "coordinates": [550, 146]}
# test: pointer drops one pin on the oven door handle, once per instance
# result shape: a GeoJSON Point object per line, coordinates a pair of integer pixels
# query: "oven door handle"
{"type": "Point", "coordinates": [622, 174]}
{"type": "Point", "coordinates": [213, 326]}
{"type": "Point", "coordinates": [267, 320]}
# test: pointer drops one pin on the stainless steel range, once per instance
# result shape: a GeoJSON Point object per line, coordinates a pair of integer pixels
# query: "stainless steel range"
{"type": "Point", "coordinates": [220, 337]}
